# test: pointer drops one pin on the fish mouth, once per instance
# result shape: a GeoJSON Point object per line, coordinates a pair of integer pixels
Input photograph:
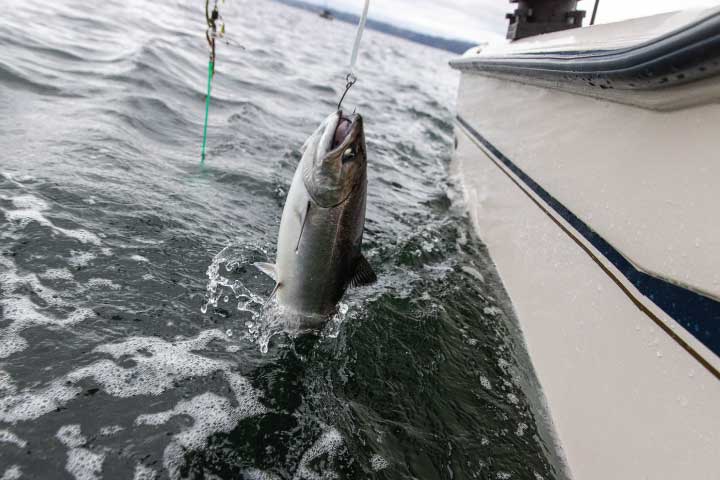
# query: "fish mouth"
{"type": "Point", "coordinates": [346, 131]}
{"type": "Point", "coordinates": [337, 166]}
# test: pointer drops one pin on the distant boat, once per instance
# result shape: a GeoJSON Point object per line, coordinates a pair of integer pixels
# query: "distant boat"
{"type": "Point", "coordinates": [327, 14]}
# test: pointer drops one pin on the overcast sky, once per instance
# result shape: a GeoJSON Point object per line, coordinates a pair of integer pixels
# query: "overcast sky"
{"type": "Point", "coordinates": [481, 20]}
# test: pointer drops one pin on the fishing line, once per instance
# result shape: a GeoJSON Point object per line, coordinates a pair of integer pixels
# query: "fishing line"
{"type": "Point", "coordinates": [350, 78]}
{"type": "Point", "coordinates": [211, 69]}
{"type": "Point", "coordinates": [212, 19]}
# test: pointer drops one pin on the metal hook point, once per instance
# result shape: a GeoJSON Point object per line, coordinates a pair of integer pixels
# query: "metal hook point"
{"type": "Point", "coordinates": [350, 79]}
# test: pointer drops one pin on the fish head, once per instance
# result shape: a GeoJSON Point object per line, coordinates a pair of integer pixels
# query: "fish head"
{"type": "Point", "coordinates": [335, 160]}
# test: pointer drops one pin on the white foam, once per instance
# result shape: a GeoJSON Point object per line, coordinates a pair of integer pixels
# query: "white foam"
{"type": "Point", "coordinates": [83, 464]}
{"type": "Point", "coordinates": [29, 202]}
{"type": "Point", "coordinates": [153, 367]}
{"type": "Point", "coordinates": [210, 413]}
{"type": "Point", "coordinates": [29, 208]}
{"type": "Point", "coordinates": [103, 283]}
{"type": "Point", "coordinates": [156, 365]}
{"type": "Point", "coordinates": [71, 436]}
{"type": "Point", "coordinates": [144, 473]}
{"type": "Point", "coordinates": [139, 258]}
{"type": "Point", "coordinates": [110, 430]}
{"type": "Point", "coordinates": [6, 436]}
{"type": "Point", "coordinates": [11, 342]}
{"type": "Point", "coordinates": [255, 474]}
{"type": "Point", "coordinates": [80, 259]}
{"type": "Point", "coordinates": [81, 235]}
{"type": "Point", "coordinates": [24, 313]}
{"type": "Point", "coordinates": [57, 274]}
{"type": "Point", "coordinates": [13, 279]}
{"type": "Point", "coordinates": [377, 463]}
{"type": "Point", "coordinates": [522, 427]}
{"type": "Point", "coordinates": [28, 404]}
{"type": "Point", "coordinates": [328, 444]}
{"type": "Point", "coordinates": [12, 473]}
{"type": "Point", "coordinates": [6, 384]}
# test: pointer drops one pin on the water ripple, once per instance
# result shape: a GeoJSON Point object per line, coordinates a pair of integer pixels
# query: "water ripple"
{"type": "Point", "coordinates": [135, 335]}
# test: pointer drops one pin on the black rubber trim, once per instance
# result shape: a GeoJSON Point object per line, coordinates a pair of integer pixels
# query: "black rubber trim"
{"type": "Point", "coordinates": [696, 313]}
{"type": "Point", "coordinates": [682, 56]}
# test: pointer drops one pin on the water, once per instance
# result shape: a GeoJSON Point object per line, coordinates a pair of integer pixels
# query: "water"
{"type": "Point", "coordinates": [133, 340]}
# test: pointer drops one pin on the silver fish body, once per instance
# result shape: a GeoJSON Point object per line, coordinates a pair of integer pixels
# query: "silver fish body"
{"type": "Point", "coordinates": [319, 244]}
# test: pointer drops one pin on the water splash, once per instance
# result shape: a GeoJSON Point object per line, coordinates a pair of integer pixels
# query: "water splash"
{"type": "Point", "coordinates": [232, 274]}
{"type": "Point", "coordinates": [234, 259]}
{"type": "Point", "coordinates": [332, 327]}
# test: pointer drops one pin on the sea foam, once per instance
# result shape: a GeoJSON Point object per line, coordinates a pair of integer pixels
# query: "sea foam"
{"type": "Point", "coordinates": [82, 463]}
{"type": "Point", "coordinates": [29, 208]}
{"type": "Point", "coordinates": [6, 436]}
{"type": "Point", "coordinates": [328, 444]}
{"type": "Point", "coordinates": [12, 473]}
{"type": "Point", "coordinates": [210, 413]}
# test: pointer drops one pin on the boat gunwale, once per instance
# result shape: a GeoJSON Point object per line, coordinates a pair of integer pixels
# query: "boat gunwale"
{"type": "Point", "coordinates": [684, 55]}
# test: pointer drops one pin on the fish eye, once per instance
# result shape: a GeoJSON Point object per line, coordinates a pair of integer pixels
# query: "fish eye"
{"type": "Point", "coordinates": [348, 155]}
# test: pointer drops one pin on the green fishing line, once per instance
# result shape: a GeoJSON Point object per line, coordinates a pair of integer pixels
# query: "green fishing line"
{"type": "Point", "coordinates": [207, 108]}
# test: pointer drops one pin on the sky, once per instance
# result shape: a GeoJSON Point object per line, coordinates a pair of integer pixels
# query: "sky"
{"type": "Point", "coordinates": [484, 20]}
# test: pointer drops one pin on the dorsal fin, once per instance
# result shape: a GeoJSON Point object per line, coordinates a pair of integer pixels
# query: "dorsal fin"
{"type": "Point", "coordinates": [363, 275]}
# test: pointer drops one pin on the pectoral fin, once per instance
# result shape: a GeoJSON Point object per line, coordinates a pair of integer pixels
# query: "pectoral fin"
{"type": "Point", "coordinates": [364, 274]}
{"type": "Point", "coordinates": [269, 269]}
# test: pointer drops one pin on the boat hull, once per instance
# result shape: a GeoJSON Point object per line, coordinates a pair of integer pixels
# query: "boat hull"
{"type": "Point", "coordinates": [598, 212]}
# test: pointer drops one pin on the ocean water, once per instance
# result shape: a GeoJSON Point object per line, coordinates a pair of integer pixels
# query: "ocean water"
{"type": "Point", "coordinates": [134, 342]}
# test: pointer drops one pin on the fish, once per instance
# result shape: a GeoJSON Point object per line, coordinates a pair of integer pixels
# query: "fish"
{"type": "Point", "coordinates": [321, 230]}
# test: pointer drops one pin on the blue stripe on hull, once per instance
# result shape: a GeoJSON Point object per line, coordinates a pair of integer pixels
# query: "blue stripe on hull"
{"type": "Point", "coordinates": [697, 313]}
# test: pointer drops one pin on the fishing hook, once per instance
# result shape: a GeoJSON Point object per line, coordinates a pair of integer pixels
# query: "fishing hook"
{"type": "Point", "coordinates": [350, 79]}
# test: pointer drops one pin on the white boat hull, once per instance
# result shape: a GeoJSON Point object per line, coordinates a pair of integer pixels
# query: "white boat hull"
{"type": "Point", "coordinates": [592, 208]}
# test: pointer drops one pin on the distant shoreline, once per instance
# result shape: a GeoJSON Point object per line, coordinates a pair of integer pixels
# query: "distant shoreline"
{"type": "Point", "coordinates": [450, 45]}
